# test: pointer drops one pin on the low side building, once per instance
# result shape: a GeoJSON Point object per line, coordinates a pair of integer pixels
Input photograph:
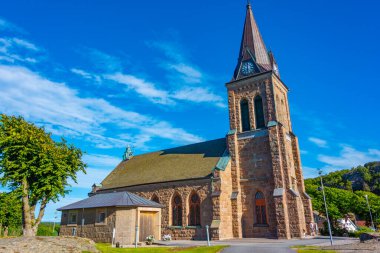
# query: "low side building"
{"type": "Point", "coordinates": [98, 216]}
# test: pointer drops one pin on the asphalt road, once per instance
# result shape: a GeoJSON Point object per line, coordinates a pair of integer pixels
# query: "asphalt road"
{"type": "Point", "coordinates": [256, 245]}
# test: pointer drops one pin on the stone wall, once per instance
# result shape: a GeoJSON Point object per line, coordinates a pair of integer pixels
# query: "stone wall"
{"type": "Point", "coordinates": [99, 232]}
{"type": "Point", "coordinates": [165, 193]}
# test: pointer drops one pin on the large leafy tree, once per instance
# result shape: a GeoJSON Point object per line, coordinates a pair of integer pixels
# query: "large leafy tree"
{"type": "Point", "coordinates": [34, 164]}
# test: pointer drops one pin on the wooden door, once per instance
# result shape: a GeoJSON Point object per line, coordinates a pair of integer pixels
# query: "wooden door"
{"type": "Point", "coordinates": [146, 225]}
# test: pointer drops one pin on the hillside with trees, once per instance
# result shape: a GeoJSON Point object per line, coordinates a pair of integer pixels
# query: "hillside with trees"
{"type": "Point", "coordinates": [346, 190]}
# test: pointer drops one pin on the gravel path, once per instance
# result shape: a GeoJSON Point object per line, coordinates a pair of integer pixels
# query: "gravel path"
{"type": "Point", "coordinates": [42, 244]}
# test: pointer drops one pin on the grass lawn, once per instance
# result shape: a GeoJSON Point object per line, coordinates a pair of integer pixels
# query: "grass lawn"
{"type": "Point", "coordinates": [106, 248]}
{"type": "Point", "coordinates": [311, 249]}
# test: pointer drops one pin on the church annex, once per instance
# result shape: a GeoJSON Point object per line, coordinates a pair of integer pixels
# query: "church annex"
{"type": "Point", "coordinates": [247, 184]}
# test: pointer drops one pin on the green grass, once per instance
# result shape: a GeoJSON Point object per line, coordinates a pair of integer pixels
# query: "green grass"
{"type": "Point", "coordinates": [106, 248]}
{"type": "Point", "coordinates": [311, 249]}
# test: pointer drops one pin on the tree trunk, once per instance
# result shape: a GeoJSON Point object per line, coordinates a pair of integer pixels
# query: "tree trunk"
{"type": "Point", "coordinates": [5, 231]}
{"type": "Point", "coordinates": [27, 226]}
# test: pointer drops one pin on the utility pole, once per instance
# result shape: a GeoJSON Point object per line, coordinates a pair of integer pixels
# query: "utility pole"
{"type": "Point", "coordinates": [369, 208]}
{"type": "Point", "coordinates": [327, 212]}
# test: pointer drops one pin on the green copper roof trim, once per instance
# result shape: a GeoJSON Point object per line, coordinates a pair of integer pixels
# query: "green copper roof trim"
{"type": "Point", "coordinates": [223, 161]}
{"type": "Point", "coordinates": [231, 132]}
{"type": "Point", "coordinates": [272, 123]}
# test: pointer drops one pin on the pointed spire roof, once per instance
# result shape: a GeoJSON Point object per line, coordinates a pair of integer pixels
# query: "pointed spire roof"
{"type": "Point", "coordinates": [252, 48]}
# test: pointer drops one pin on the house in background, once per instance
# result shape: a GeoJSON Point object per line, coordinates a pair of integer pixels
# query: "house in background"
{"type": "Point", "coordinates": [99, 215]}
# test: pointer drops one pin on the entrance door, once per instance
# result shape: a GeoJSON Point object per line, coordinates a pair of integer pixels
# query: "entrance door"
{"type": "Point", "coordinates": [146, 225]}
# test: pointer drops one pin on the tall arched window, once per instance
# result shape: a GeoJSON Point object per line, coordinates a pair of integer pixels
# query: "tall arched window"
{"type": "Point", "coordinates": [195, 210]}
{"type": "Point", "coordinates": [261, 214]}
{"type": "Point", "coordinates": [155, 198]}
{"type": "Point", "coordinates": [244, 115]}
{"type": "Point", "coordinates": [259, 112]}
{"type": "Point", "coordinates": [177, 211]}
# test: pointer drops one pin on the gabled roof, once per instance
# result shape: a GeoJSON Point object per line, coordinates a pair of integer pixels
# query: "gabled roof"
{"type": "Point", "coordinates": [182, 163]}
{"type": "Point", "coordinates": [116, 199]}
{"type": "Point", "coordinates": [252, 46]}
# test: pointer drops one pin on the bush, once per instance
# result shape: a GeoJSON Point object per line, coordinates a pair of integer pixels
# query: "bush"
{"type": "Point", "coordinates": [360, 231]}
{"type": "Point", "coordinates": [46, 229]}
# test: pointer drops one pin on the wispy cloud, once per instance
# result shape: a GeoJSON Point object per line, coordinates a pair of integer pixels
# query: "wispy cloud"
{"type": "Point", "coordinates": [86, 75]}
{"type": "Point", "coordinates": [38, 99]}
{"type": "Point", "coordinates": [142, 87]}
{"type": "Point", "coordinates": [319, 142]}
{"type": "Point", "coordinates": [349, 157]}
{"type": "Point", "coordinates": [102, 61]}
{"type": "Point", "coordinates": [101, 161]}
{"type": "Point", "coordinates": [198, 95]}
{"type": "Point", "coordinates": [13, 50]}
{"type": "Point", "coordinates": [8, 26]}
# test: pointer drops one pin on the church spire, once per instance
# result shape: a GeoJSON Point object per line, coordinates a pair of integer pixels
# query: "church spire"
{"type": "Point", "coordinates": [253, 55]}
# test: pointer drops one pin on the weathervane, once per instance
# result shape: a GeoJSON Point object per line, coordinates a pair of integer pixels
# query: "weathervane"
{"type": "Point", "coordinates": [128, 153]}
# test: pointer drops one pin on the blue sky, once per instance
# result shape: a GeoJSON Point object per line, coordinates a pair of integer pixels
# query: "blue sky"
{"type": "Point", "coordinates": [105, 74]}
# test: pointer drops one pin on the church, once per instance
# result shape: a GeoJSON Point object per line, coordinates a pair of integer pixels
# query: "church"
{"type": "Point", "coordinates": [247, 184]}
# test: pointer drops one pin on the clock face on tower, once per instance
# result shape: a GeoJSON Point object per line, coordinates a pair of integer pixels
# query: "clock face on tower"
{"type": "Point", "coordinates": [247, 68]}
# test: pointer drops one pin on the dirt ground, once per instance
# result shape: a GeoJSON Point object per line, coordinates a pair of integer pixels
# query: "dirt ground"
{"type": "Point", "coordinates": [42, 244]}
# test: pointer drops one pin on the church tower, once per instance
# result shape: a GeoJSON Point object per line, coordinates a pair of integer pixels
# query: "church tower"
{"type": "Point", "coordinates": [268, 194]}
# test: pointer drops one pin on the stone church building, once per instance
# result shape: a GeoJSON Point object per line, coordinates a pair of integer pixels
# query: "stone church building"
{"type": "Point", "coordinates": [246, 184]}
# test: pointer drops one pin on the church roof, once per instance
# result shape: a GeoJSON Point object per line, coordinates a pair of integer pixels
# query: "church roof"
{"type": "Point", "coordinates": [186, 162]}
{"type": "Point", "coordinates": [117, 199]}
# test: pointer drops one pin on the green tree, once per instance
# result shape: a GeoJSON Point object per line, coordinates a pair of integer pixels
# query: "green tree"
{"type": "Point", "coordinates": [37, 166]}
{"type": "Point", "coordinates": [10, 211]}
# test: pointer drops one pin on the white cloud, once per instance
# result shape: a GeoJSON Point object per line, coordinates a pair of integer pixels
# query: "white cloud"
{"type": "Point", "coordinates": [319, 142]}
{"type": "Point", "coordinates": [101, 161]}
{"type": "Point", "coordinates": [187, 73]}
{"type": "Point", "coordinates": [142, 87]}
{"type": "Point", "coordinates": [309, 172]}
{"type": "Point", "coordinates": [198, 95]}
{"type": "Point", "coordinates": [17, 50]}
{"type": "Point", "coordinates": [25, 44]}
{"type": "Point", "coordinates": [38, 99]}
{"type": "Point", "coordinates": [178, 70]}
{"type": "Point", "coordinates": [349, 157]}
{"type": "Point", "coordinates": [86, 75]}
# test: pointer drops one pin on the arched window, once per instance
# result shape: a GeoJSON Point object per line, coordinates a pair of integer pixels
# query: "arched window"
{"type": "Point", "coordinates": [195, 210]}
{"type": "Point", "coordinates": [244, 115]}
{"type": "Point", "coordinates": [177, 211]}
{"type": "Point", "coordinates": [155, 199]}
{"type": "Point", "coordinates": [261, 214]}
{"type": "Point", "coordinates": [259, 112]}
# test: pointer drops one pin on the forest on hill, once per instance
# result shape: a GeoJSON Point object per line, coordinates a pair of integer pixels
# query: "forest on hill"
{"type": "Point", "coordinates": [346, 190]}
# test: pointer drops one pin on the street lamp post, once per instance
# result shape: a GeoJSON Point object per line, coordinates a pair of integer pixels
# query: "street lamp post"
{"type": "Point", "coordinates": [327, 212]}
{"type": "Point", "coordinates": [369, 208]}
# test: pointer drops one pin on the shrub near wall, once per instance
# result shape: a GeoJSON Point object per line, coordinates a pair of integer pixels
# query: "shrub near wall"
{"type": "Point", "coordinates": [46, 229]}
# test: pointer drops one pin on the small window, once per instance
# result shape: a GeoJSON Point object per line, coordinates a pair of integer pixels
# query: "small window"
{"type": "Point", "coordinates": [259, 112]}
{"type": "Point", "coordinates": [73, 216]}
{"type": "Point", "coordinates": [244, 116]}
{"type": "Point", "coordinates": [101, 215]}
